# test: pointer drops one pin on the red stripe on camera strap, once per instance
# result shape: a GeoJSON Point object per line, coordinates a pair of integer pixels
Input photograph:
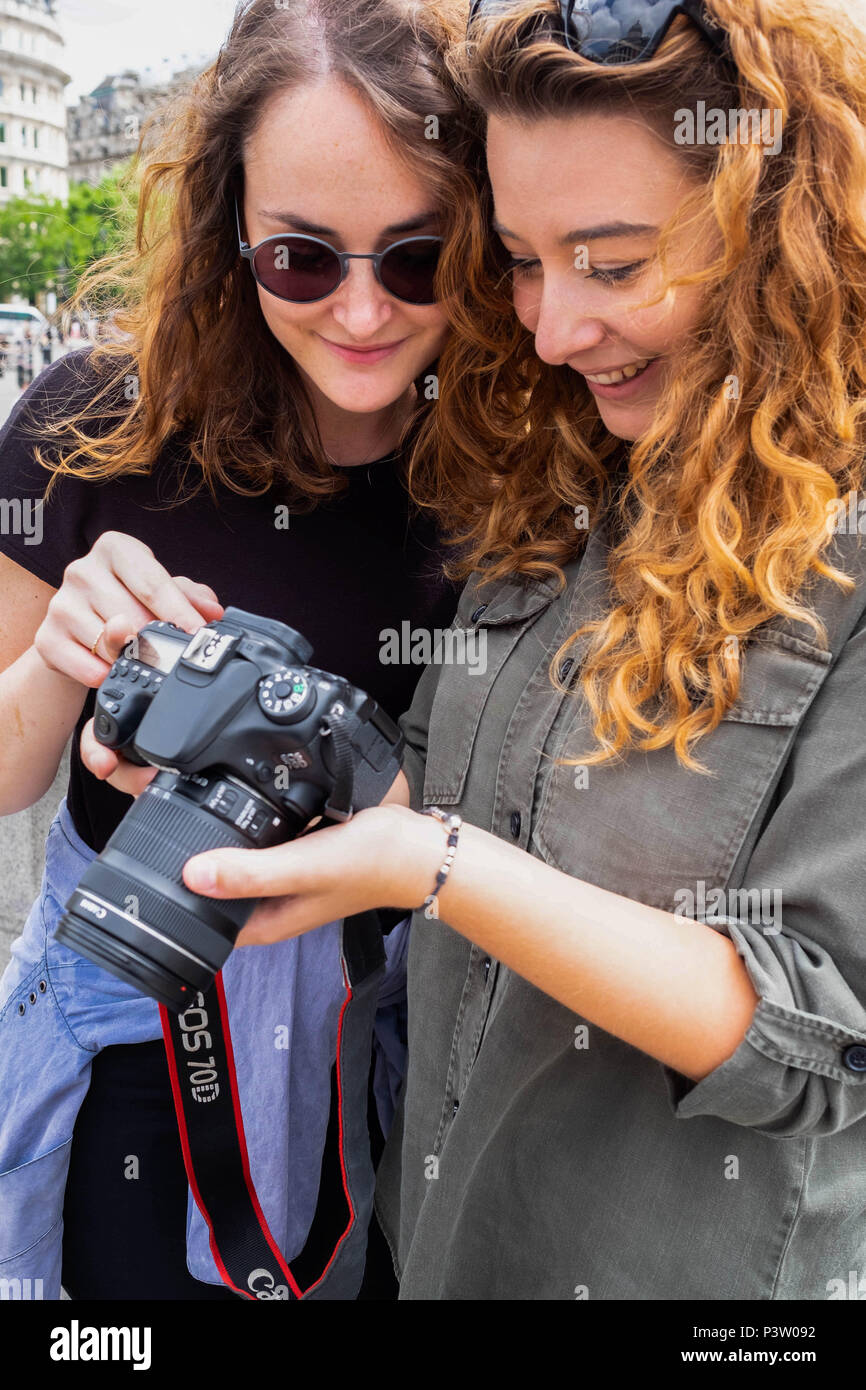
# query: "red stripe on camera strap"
{"type": "Point", "coordinates": [200, 1061]}
{"type": "Point", "coordinates": [216, 1158]}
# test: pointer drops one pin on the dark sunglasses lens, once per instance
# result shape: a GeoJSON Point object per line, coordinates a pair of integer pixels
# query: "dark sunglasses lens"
{"type": "Point", "coordinates": [409, 269]}
{"type": "Point", "coordinates": [296, 268]}
{"type": "Point", "coordinates": [608, 31]}
{"type": "Point", "coordinates": [614, 33]}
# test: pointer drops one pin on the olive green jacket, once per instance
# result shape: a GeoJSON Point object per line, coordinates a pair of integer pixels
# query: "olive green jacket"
{"type": "Point", "coordinates": [537, 1157]}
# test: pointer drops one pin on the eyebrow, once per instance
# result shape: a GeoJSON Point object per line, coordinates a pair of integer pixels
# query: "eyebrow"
{"type": "Point", "coordinates": [292, 219]}
{"type": "Point", "coordinates": [582, 234]}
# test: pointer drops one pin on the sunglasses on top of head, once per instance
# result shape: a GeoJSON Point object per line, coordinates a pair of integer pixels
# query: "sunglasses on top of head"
{"type": "Point", "coordinates": [611, 32]}
{"type": "Point", "coordinates": [304, 269]}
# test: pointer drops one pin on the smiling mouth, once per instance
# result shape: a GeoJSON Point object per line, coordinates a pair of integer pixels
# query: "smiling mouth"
{"type": "Point", "coordinates": [616, 375]}
{"type": "Point", "coordinates": [377, 347]}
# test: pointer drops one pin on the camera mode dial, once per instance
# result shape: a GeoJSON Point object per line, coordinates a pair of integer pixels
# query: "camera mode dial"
{"type": "Point", "coordinates": [286, 696]}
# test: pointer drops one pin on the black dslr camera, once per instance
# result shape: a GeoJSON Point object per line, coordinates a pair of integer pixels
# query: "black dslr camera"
{"type": "Point", "coordinates": [252, 743]}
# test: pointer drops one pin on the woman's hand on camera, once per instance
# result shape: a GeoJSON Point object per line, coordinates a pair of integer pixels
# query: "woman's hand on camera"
{"type": "Point", "coordinates": [110, 767]}
{"type": "Point", "coordinates": [384, 856]}
{"type": "Point", "coordinates": [108, 595]}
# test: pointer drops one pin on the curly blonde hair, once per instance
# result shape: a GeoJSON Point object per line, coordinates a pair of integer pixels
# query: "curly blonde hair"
{"type": "Point", "coordinates": [723, 514]}
{"type": "Point", "coordinates": [189, 357]}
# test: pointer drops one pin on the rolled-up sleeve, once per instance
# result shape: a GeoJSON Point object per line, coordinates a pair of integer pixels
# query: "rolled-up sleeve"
{"type": "Point", "coordinates": [415, 724]}
{"type": "Point", "coordinates": [801, 1067]}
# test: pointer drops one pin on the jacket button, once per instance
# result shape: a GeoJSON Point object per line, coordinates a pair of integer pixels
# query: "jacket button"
{"type": "Point", "coordinates": [477, 614]}
{"type": "Point", "coordinates": [854, 1058]}
{"type": "Point", "coordinates": [455, 1107]}
{"type": "Point", "coordinates": [515, 824]}
{"type": "Point", "coordinates": [565, 667]}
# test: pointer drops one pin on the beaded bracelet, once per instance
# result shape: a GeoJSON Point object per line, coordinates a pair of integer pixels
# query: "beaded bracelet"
{"type": "Point", "coordinates": [453, 823]}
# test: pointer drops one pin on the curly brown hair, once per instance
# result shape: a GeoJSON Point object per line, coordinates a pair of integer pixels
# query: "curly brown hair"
{"type": "Point", "coordinates": [724, 511]}
{"type": "Point", "coordinates": [189, 354]}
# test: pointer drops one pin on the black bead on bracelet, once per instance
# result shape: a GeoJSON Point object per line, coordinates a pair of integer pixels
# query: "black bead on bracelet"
{"type": "Point", "coordinates": [453, 822]}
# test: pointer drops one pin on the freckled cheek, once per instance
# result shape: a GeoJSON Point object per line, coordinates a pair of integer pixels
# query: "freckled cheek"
{"type": "Point", "coordinates": [648, 330]}
{"type": "Point", "coordinates": [286, 320]}
{"type": "Point", "coordinates": [670, 325]}
{"type": "Point", "coordinates": [647, 333]}
{"type": "Point", "coordinates": [428, 321]}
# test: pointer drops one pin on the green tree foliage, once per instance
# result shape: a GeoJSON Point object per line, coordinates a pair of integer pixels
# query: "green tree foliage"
{"type": "Point", "coordinates": [47, 244]}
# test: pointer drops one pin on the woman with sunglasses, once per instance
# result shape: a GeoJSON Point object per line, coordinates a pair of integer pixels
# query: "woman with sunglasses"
{"type": "Point", "coordinates": [637, 973]}
{"type": "Point", "coordinates": [250, 430]}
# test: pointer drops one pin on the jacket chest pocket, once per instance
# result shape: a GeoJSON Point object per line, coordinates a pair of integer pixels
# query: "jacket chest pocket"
{"type": "Point", "coordinates": [481, 641]}
{"type": "Point", "coordinates": [648, 827]}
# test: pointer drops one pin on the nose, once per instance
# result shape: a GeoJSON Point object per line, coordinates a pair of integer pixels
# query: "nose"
{"type": "Point", "coordinates": [564, 327]}
{"type": "Point", "coordinates": [361, 306]}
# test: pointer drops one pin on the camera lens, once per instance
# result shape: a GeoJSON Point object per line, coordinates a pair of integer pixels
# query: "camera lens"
{"type": "Point", "coordinates": [133, 914]}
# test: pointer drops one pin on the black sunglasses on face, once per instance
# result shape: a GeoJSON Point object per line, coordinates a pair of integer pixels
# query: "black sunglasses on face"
{"type": "Point", "coordinates": [592, 29]}
{"type": "Point", "coordinates": [303, 269]}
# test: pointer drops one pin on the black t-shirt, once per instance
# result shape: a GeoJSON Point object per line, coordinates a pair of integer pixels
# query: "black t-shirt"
{"type": "Point", "coordinates": [357, 565]}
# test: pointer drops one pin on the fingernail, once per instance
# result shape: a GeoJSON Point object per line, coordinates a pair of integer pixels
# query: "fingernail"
{"type": "Point", "coordinates": [202, 876]}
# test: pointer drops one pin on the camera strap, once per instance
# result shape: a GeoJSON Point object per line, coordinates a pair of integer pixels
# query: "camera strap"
{"type": "Point", "coordinates": [340, 728]}
{"type": "Point", "coordinates": [204, 1085]}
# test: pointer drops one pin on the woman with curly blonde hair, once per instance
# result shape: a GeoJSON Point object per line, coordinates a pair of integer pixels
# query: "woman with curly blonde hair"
{"type": "Point", "coordinates": [637, 981]}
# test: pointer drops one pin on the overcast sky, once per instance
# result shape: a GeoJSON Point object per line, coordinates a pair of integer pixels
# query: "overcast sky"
{"type": "Point", "coordinates": [106, 36]}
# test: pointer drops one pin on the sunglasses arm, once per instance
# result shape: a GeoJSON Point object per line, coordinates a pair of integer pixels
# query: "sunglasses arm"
{"type": "Point", "coordinates": [244, 245]}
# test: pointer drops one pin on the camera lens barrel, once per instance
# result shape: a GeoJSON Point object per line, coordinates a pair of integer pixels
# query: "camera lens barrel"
{"type": "Point", "coordinates": [133, 914]}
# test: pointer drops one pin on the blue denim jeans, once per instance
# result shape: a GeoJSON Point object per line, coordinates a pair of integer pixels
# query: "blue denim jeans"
{"type": "Point", "coordinates": [58, 1009]}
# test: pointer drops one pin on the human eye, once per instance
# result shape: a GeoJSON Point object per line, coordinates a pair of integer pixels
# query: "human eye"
{"type": "Point", "coordinates": [306, 255]}
{"type": "Point", "coordinates": [523, 267]}
{"type": "Point", "coordinates": [616, 274]}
